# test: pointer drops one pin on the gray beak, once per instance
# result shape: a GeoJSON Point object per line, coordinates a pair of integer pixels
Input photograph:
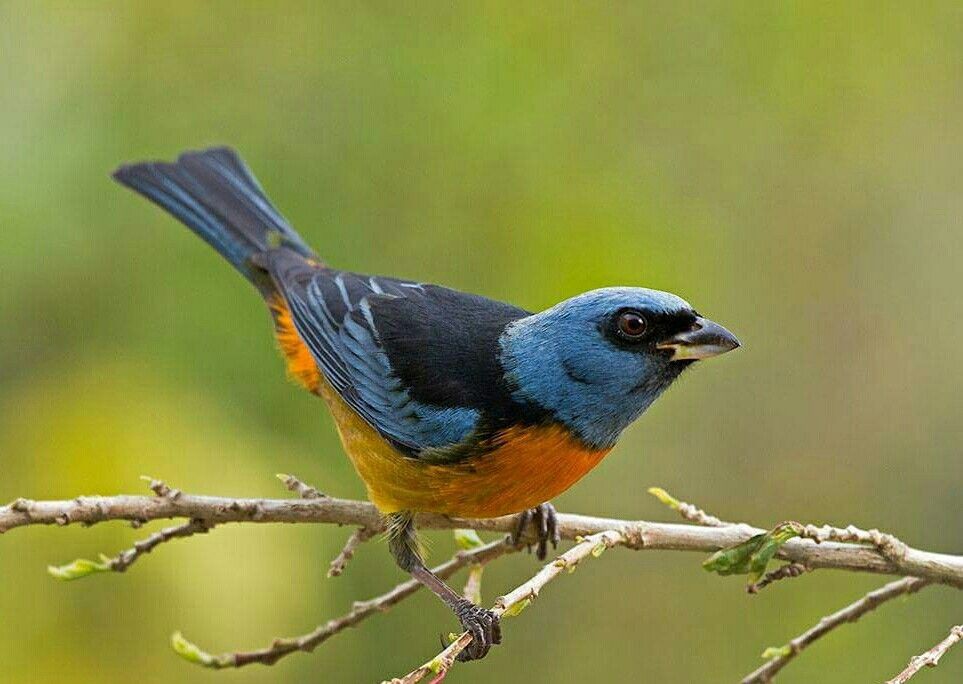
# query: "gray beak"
{"type": "Point", "coordinates": [703, 340]}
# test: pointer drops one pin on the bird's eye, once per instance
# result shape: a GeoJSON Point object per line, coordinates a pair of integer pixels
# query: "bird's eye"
{"type": "Point", "coordinates": [631, 324]}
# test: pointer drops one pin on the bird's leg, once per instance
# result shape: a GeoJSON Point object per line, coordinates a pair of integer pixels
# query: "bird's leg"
{"type": "Point", "coordinates": [546, 528]}
{"type": "Point", "coordinates": [481, 623]}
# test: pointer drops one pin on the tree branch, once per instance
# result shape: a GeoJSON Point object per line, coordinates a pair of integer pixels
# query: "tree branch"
{"type": "Point", "coordinates": [359, 536]}
{"type": "Point", "coordinates": [359, 612]}
{"type": "Point", "coordinates": [851, 613]}
{"type": "Point", "coordinates": [929, 659]}
{"type": "Point", "coordinates": [640, 534]}
{"type": "Point", "coordinates": [119, 563]}
{"type": "Point", "coordinates": [739, 547]}
{"type": "Point", "coordinates": [514, 602]}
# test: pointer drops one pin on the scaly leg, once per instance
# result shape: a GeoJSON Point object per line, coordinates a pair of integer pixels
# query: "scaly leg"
{"type": "Point", "coordinates": [481, 623]}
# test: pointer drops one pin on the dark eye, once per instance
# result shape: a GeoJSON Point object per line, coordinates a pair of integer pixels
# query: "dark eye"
{"type": "Point", "coordinates": [631, 324]}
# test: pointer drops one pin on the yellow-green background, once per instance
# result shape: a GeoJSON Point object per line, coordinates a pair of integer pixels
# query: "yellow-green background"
{"type": "Point", "coordinates": [794, 169]}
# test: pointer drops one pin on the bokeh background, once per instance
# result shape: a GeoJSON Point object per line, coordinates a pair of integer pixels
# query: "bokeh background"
{"type": "Point", "coordinates": [794, 169]}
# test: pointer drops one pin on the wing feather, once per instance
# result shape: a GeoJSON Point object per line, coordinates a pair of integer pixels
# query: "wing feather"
{"type": "Point", "coordinates": [332, 313]}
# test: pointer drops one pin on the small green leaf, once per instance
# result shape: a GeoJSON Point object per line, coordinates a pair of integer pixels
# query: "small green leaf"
{"type": "Point", "coordinates": [777, 652]}
{"type": "Point", "coordinates": [517, 608]}
{"type": "Point", "coordinates": [193, 654]}
{"type": "Point", "coordinates": [665, 497]}
{"type": "Point", "coordinates": [599, 549]}
{"type": "Point", "coordinates": [735, 559]}
{"type": "Point", "coordinates": [79, 568]}
{"type": "Point", "coordinates": [752, 556]}
{"type": "Point", "coordinates": [468, 539]}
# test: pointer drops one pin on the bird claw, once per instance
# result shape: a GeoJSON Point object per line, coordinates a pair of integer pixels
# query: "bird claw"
{"type": "Point", "coordinates": [545, 519]}
{"type": "Point", "coordinates": [484, 627]}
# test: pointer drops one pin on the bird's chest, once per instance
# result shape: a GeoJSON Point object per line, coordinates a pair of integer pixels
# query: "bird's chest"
{"type": "Point", "coordinates": [526, 466]}
{"type": "Point", "coordinates": [529, 465]}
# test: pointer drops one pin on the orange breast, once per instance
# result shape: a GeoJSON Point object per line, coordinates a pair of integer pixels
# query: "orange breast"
{"type": "Point", "coordinates": [528, 466]}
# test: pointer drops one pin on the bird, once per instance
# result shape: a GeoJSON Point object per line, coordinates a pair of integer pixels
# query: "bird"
{"type": "Point", "coordinates": [445, 402]}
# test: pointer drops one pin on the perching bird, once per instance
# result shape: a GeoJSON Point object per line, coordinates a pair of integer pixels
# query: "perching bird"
{"type": "Point", "coordinates": [446, 402]}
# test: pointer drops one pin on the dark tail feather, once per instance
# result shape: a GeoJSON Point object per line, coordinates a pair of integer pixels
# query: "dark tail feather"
{"type": "Point", "coordinates": [214, 194]}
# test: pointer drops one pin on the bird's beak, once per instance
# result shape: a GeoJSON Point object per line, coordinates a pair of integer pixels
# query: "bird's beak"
{"type": "Point", "coordinates": [703, 340]}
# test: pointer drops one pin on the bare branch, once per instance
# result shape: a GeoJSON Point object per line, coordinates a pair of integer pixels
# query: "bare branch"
{"type": "Point", "coordinates": [929, 659]}
{"type": "Point", "coordinates": [119, 563]}
{"type": "Point", "coordinates": [125, 559]}
{"type": "Point", "coordinates": [593, 545]}
{"type": "Point", "coordinates": [851, 613]}
{"type": "Point", "coordinates": [888, 545]}
{"type": "Point", "coordinates": [640, 535]}
{"type": "Point", "coordinates": [359, 612]}
{"type": "Point", "coordinates": [814, 547]}
{"type": "Point", "coordinates": [517, 600]}
{"type": "Point", "coordinates": [359, 536]}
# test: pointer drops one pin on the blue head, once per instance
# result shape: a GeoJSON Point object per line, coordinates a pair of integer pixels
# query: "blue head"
{"type": "Point", "coordinates": [598, 360]}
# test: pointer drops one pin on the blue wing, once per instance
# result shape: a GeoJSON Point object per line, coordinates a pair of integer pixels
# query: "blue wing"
{"type": "Point", "coordinates": [332, 312]}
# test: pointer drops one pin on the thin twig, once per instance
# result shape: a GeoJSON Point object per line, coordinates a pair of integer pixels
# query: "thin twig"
{"type": "Point", "coordinates": [303, 490]}
{"type": "Point", "coordinates": [359, 611]}
{"type": "Point", "coordinates": [119, 563]}
{"type": "Point", "coordinates": [438, 666]}
{"type": "Point", "coordinates": [125, 559]}
{"type": "Point", "coordinates": [359, 536]}
{"type": "Point", "coordinates": [850, 613]}
{"type": "Point", "coordinates": [688, 511]}
{"type": "Point", "coordinates": [787, 571]}
{"type": "Point", "coordinates": [518, 599]}
{"type": "Point", "coordinates": [929, 659]}
{"type": "Point", "coordinates": [160, 488]}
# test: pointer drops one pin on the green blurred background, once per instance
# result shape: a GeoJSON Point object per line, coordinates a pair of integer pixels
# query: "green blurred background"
{"type": "Point", "coordinates": [794, 169]}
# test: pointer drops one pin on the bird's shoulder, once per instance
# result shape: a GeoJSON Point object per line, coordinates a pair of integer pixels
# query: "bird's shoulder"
{"type": "Point", "coordinates": [419, 362]}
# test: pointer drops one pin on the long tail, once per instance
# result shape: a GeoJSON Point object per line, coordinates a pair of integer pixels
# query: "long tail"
{"type": "Point", "coordinates": [214, 194]}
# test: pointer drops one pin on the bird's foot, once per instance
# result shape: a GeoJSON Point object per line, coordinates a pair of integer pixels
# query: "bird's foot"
{"type": "Point", "coordinates": [546, 528]}
{"type": "Point", "coordinates": [483, 626]}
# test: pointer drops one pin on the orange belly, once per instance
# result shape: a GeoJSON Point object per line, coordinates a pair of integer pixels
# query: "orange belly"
{"type": "Point", "coordinates": [529, 466]}
{"type": "Point", "coordinates": [526, 467]}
